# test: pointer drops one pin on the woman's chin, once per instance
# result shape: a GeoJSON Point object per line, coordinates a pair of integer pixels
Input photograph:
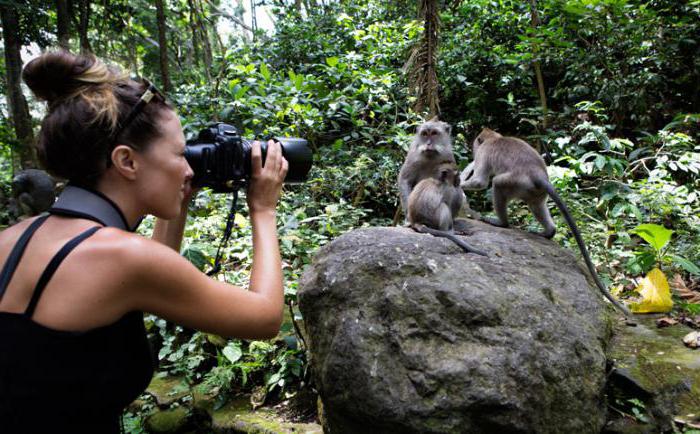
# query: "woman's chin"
{"type": "Point", "coordinates": [167, 214]}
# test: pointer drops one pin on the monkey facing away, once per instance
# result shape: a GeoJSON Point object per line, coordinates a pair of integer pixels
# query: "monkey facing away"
{"type": "Point", "coordinates": [431, 147]}
{"type": "Point", "coordinates": [519, 172]}
{"type": "Point", "coordinates": [34, 191]}
{"type": "Point", "coordinates": [434, 202]}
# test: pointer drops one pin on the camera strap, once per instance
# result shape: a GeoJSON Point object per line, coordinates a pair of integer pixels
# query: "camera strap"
{"type": "Point", "coordinates": [226, 237]}
{"type": "Point", "coordinates": [90, 204]}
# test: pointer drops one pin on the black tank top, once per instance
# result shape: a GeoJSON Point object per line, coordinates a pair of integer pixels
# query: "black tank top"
{"type": "Point", "coordinates": [54, 381]}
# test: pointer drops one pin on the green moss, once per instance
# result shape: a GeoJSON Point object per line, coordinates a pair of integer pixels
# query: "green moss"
{"type": "Point", "coordinates": [660, 363]}
{"type": "Point", "coordinates": [168, 421]}
{"type": "Point", "coordinates": [237, 416]}
{"type": "Point", "coordinates": [167, 390]}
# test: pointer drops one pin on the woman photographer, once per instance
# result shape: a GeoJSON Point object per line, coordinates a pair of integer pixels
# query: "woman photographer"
{"type": "Point", "coordinates": [73, 348]}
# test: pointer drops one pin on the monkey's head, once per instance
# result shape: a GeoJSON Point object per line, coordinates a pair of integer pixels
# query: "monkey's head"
{"type": "Point", "coordinates": [484, 135]}
{"type": "Point", "coordinates": [433, 137]}
{"type": "Point", "coordinates": [448, 174]}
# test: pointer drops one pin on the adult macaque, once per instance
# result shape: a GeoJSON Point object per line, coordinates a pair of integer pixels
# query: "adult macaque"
{"type": "Point", "coordinates": [34, 191]}
{"type": "Point", "coordinates": [434, 203]}
{"type": "Point", "coordinates": [431, 147]}
{"type": "Point", "coordinates": [519, 172]}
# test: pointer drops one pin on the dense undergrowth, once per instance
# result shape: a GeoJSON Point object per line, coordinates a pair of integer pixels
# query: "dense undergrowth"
{"type": "Point", "coordinates": [621, 140]}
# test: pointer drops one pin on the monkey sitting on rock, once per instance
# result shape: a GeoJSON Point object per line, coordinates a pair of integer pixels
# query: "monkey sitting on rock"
{"type": "Point", "coordinates": [431, 147]}
{"type": "Point", "coordinates": [430, 151]}
{"type": "Point", "coordinates": [434, 203]}
{"type": "Point", "coordinates": [519, 172]}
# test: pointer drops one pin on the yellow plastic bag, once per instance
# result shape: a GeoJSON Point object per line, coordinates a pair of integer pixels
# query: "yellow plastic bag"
{"type": "Point", "coordinates": [656, 294]}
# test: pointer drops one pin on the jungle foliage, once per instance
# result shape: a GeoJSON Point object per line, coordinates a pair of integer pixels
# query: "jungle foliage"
{"type": "Point", "coordinates": [621, 78]}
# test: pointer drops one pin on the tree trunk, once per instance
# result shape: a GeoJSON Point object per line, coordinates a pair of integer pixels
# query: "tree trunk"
{"type": "Point", "coordinates": [63, 24]}
{"type": "Point", "coordinates": [253, 17]}
{"type": "Point", "coordinates": [19, 111]}
{"type": "Point", "coordinates": [422, 64]}
{"type": "Point", "coordinates": [84, 26]}
{"type": "Point", "coordinates": [193, 27]}
{"type": "Point", "coordinates": [163, 47]}
{"type": "Point", "coordinates": [206, 46]}
{"type": "Point", "coordinates": [538, 70]}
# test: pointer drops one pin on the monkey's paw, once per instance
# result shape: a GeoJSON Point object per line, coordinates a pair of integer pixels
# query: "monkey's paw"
{"type": "Point", "coordinates": [544, 234]}
{"type": "Point", "coordinates": [494, 221]}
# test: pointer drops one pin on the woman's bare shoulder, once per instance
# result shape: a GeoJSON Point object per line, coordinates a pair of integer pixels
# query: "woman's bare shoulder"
{"type": "Point", "coordinates": [130, 248]}
{"type": "Point", "coordinates": [9, 237]}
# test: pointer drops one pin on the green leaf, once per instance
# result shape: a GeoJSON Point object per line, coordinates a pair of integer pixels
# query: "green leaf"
{"type": "Point", "coordinates": [599, 162]}
{"type": "Point", "coordinates": [241, 91]}
{"type": "Point", "coordinates": [274, 378]}
{"type": "Point", "coordinates": [686, 264]}
{"type": "Point", "coordinates": [195, 255]}
{"type": "Point", "coordinates": [233, 352]}
{"type": "Point", "coordinates": [332, 61]}
{"type": "Point", "coordinates": [265, 72]}
{"type": "Point", "coordinates": [657, 236]}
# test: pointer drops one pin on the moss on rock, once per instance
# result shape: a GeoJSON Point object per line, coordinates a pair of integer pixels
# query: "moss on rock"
{"type": "Point", "coordinates": [665, 373]}
{"type": "Point", "coordinates": [237, 417]}
{"type": "Point", "coordinates": [167, 390]}
{"type": "Point", "coordinates": [167, 421]}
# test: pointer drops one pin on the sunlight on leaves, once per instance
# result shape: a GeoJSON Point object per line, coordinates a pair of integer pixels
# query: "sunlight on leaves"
{"type": "Point", "coordinates": [233, 352]}
{"type": "Point", "coordinates": [240, 221]}
{"type": "Point", "coordinates": [657, 236]}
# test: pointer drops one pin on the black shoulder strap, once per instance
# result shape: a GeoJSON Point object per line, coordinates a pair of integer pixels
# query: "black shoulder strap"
{"type": "Point", "coordinates": [53, 266]}
{"type": "Point", "coordinates": [16, 254]}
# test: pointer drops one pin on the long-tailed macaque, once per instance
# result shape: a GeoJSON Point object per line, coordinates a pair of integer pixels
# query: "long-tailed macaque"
{"type": "Point", "coordinates": [34, 191]}
{"type": "Point", "coordinates": [431, 147]}
{"type": "Point", "coordinates": [519, 172]}
{"type": "Point", "coordinates": [434, 203]}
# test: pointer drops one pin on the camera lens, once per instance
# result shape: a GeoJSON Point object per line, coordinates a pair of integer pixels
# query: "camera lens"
{"type": "Point", "coordinates": [295, 150]}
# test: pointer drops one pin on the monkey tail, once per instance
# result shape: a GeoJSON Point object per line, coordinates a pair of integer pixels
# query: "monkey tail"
{"type": "Point", "coordinates": [438, 233]}
{"type": "Point", "coordinates": [549, 188]}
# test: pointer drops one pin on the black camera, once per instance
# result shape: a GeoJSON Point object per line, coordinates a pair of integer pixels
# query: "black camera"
{"type": "Point", "coordinates": [220, 158]}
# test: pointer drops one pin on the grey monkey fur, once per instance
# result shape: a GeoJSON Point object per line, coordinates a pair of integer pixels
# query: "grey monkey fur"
{"type": "Point", "coordinates": [34, 191]}
{"type": "Point", "coordinates": [434, 203]}
{"type": "Point", "coordinates": [431, 147]}
{"type": "Point", "coordinates": [519, 172]}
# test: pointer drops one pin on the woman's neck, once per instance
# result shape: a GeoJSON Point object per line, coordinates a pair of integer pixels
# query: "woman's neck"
{"type": "Point", "coordinates": [124, 199]}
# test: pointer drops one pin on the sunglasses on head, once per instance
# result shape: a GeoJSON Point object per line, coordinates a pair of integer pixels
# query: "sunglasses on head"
{"type": "Point", "coordinates": [150, 93]}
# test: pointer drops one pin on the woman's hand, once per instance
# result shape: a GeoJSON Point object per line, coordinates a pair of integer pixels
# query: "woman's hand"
{"type": "Point", "coordinates": [266, 182]}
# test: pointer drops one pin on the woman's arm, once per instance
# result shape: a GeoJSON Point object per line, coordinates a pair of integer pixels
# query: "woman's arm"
{"type": "Point", "coordinates": [171, 287]}
{"type": "Point", "coordinates": [169, 232]}
{"type": "Point", "coordinates": [262, 196]}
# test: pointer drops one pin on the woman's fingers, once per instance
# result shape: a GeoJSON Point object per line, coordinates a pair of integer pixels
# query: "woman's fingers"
{"type": "Point", "coordinates": [275, 161]}
{"type": "Point", "coordinates": [285, 168]}
{"type": "Point", "coordinates": [256, 158]}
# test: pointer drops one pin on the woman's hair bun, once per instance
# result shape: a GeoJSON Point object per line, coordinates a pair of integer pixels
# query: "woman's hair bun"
{"type": "Point", "coordinates": [58, 75]}
{"type": "Point", "coordinates": [87, 100]}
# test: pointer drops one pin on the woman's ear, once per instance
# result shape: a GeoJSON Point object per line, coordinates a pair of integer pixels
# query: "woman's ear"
{"type": "Point", "coordinates": [124, 161]}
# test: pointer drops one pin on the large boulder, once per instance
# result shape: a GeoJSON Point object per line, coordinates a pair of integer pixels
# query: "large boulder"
{"type": "Point", "coordinates": [410, 334]}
